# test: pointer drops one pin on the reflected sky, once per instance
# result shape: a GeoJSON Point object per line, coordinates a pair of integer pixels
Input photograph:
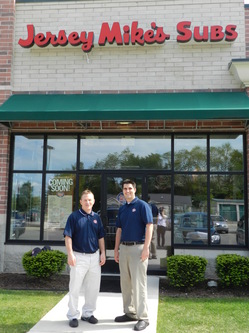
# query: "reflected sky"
{"type": "Point", "coordinates": [97, 149]}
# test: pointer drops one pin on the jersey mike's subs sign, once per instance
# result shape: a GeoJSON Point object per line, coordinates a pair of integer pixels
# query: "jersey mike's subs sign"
{"type": "Point", "coordinates": [129, 35]}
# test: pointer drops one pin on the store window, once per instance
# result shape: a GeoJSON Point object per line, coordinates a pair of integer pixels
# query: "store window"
{"type": "Point", "coordinates": [25, 221]}
{"type": "Point", "coordinates": [190, 153]}
{"type": "Point", "coordinates": [61, 153]}
{"type": "Point", "coordinates": [191, 210]}
{"type": "Point", "coordinates": [128, 152]}
{"type": "Point", "coordinates": [212, 189]}
{"type": "Point", "coordinates": [201, 183]}
{"type": "Point", "coordinates": [226, 153]}
{"type": "Point", "coordinates": [28, 152]}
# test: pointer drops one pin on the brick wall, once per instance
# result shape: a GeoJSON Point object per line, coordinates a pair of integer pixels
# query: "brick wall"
{"type": "Point", "coordinates": [137, 126]}
{"type": "Point", "coordinates": [7, 10]}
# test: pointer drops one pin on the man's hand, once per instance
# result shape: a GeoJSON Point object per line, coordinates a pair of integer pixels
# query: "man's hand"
{"type": "Point", "coordinates": [102, 259]}
{"type": "Point", "coordinates": [116, 256]}
{"type": "Point", "coordinates": [71, 260]}
{"type": "Point", "coordinates": [145, 253]}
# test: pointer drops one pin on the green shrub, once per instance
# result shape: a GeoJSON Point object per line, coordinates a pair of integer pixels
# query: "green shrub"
{"type": "Point", "coordinates": [44, 264]}
{"type": "Point", "coordinates": [185, 270]}
{"type": "Point", "coordinates": [232, 270]}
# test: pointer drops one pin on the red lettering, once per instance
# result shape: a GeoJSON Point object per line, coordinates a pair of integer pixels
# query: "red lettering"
{"type": "Point", "coordinates": [41, 41]}
{"type": "Point", "coordinates": [231, 34]}
{"type": "Point", "coordinates": [133, 35]}
{"type": "Point", "coordinates": [107, 34]}
{"type": "Point", "coordinates": [160, 35]}
{"type": "Point", "coordinates": [126, 35]}
{"type": "Point", "coordinates": [52, 38]}
{"type": "Point", "coordinates": [201, 38]}
{"type": "Point", "coordinates": [74, 39]}
{"type": "Point", "coordinates": [216, 34]}
{"type": "Point", "coordinates": [185, 33]}
{"type": "Point", "coordinates": [136, 34]}
{"type": "Point", "coordinates": [62, 38]}
{"type": "Point", "coordinates": [87, 41]}
{"type": "Point", "coordinates": [29, 42]}
{"type": "Point", "coordinates": [150, 37]}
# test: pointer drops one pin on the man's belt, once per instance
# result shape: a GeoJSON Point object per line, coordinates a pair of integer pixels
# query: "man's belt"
{"type": "Point", "coordinates": [131, 243]}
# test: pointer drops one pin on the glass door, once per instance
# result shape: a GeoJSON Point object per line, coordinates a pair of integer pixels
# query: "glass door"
{"type": "Point", "coordinates": [159, 197]}
{"type": "Point", "coordinates": [156, 190]}
{"type": "Point", "coordinates": [114, 199]}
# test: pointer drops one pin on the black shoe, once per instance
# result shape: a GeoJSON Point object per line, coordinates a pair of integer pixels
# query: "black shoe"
{"type": "Point", "coordinates": [123, 319]}
{"type": "Point", "coordinates": [91, 320]}
{"type": "Point", "coordinates": [73, 323]}
{"type": "Point", "coordinates": [141, 325]}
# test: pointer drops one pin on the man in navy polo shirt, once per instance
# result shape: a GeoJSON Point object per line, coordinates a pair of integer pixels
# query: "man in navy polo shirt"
{"type": "Point", "coordinates": [132, 248]}
{"type": "Point", "coordinates": [84, 239]}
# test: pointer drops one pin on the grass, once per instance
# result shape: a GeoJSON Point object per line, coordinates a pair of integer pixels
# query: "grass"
{"type": "Point", "coordinates": [21, 310]}
{"type": "Point", "coordinates": [205, 315]}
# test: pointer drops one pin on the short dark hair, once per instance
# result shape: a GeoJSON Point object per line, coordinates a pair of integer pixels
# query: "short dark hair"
{"type": "Point", "coordinates": [128, 181]}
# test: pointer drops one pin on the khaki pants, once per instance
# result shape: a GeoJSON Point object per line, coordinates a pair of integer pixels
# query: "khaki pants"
{"type": "Point", "coordinates": [133, 278]}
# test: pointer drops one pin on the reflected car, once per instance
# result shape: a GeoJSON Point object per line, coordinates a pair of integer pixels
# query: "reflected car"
{"type": "Point", "coordinates": [240, 232]}
{"type": "Point", "coordinates": [177, 218]}
{"type": "Point", "coordinates": [18, 225]}
{"type": "Point", "coordinates": [220, 224]}
{"type": "Point", "coordinates": [193, 229]}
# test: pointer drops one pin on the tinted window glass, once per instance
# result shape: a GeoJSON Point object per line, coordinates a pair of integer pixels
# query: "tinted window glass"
{"type": "Point", "coordinates": [61, 153]}
{"type": "Point", "coordinates": [28, 152]}
{"type": "Point", "coordinates": [125, 153]}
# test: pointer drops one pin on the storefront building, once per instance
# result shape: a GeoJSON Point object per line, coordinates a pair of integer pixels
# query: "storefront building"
{"type": "Point", "coordinates": [92, 92]}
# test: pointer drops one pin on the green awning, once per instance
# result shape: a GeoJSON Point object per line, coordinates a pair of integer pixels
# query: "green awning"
{"type": "Point", "coordinates": [157, 106]}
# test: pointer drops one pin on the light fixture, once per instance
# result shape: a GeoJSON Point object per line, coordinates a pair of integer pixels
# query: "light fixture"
{"type": "Point", "coordinates": [124, 122]}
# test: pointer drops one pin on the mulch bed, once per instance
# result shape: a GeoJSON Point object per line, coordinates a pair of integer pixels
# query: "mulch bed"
{"type": "Point", "coordinates": [60, 283]}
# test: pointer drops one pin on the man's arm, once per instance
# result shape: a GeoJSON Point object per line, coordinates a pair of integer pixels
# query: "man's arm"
{"type": "Point", "coordinates": [71, 260]}
{"type": "Point", "coordinates": [148, 235]}
{"type": "Point", "coordinates": [102, 251]}
{"type": "Point", "coordinates": [117, 243]}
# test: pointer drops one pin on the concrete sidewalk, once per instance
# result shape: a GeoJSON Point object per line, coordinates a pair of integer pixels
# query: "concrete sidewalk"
{"type": "Point", "coordinates": [109, 306]}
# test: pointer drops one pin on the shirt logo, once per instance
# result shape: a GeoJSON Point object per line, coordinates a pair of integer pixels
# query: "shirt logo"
{"type": "Point", "coordinates": [133, 210]}
{"type": "Point", "coordinates": [95, 221]}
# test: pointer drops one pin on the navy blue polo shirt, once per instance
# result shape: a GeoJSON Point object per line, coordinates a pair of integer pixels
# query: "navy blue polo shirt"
{"type": "Point", "coordinates": [132, 219]}
{"type": "Point", "coordinates": [85, 231]}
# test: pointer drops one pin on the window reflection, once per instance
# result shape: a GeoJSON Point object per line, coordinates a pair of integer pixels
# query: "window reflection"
{"type": "Point", "coordinates": [26, 206]}
{"type": "Point", "coordinates": [61, 153]}
{"type": "Point", "coordinates": [194, 184]}
{"type": "Point", "coordinates": [190, 153]}
{"type": "Point", "coordinates": [227, 206]}
{"type": "Point", "coordinates": [190, 210]}
{"type": "Point", "coordinates": [92, 183]}
{"type": "Point", "coordinates": [125, 153]}
{"type": "Point", "coordinates": [226, 153]}
{"type": "Point", "coordinates": [159, 196]}
{"type": "Point", "coordinates": [28, 152]}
